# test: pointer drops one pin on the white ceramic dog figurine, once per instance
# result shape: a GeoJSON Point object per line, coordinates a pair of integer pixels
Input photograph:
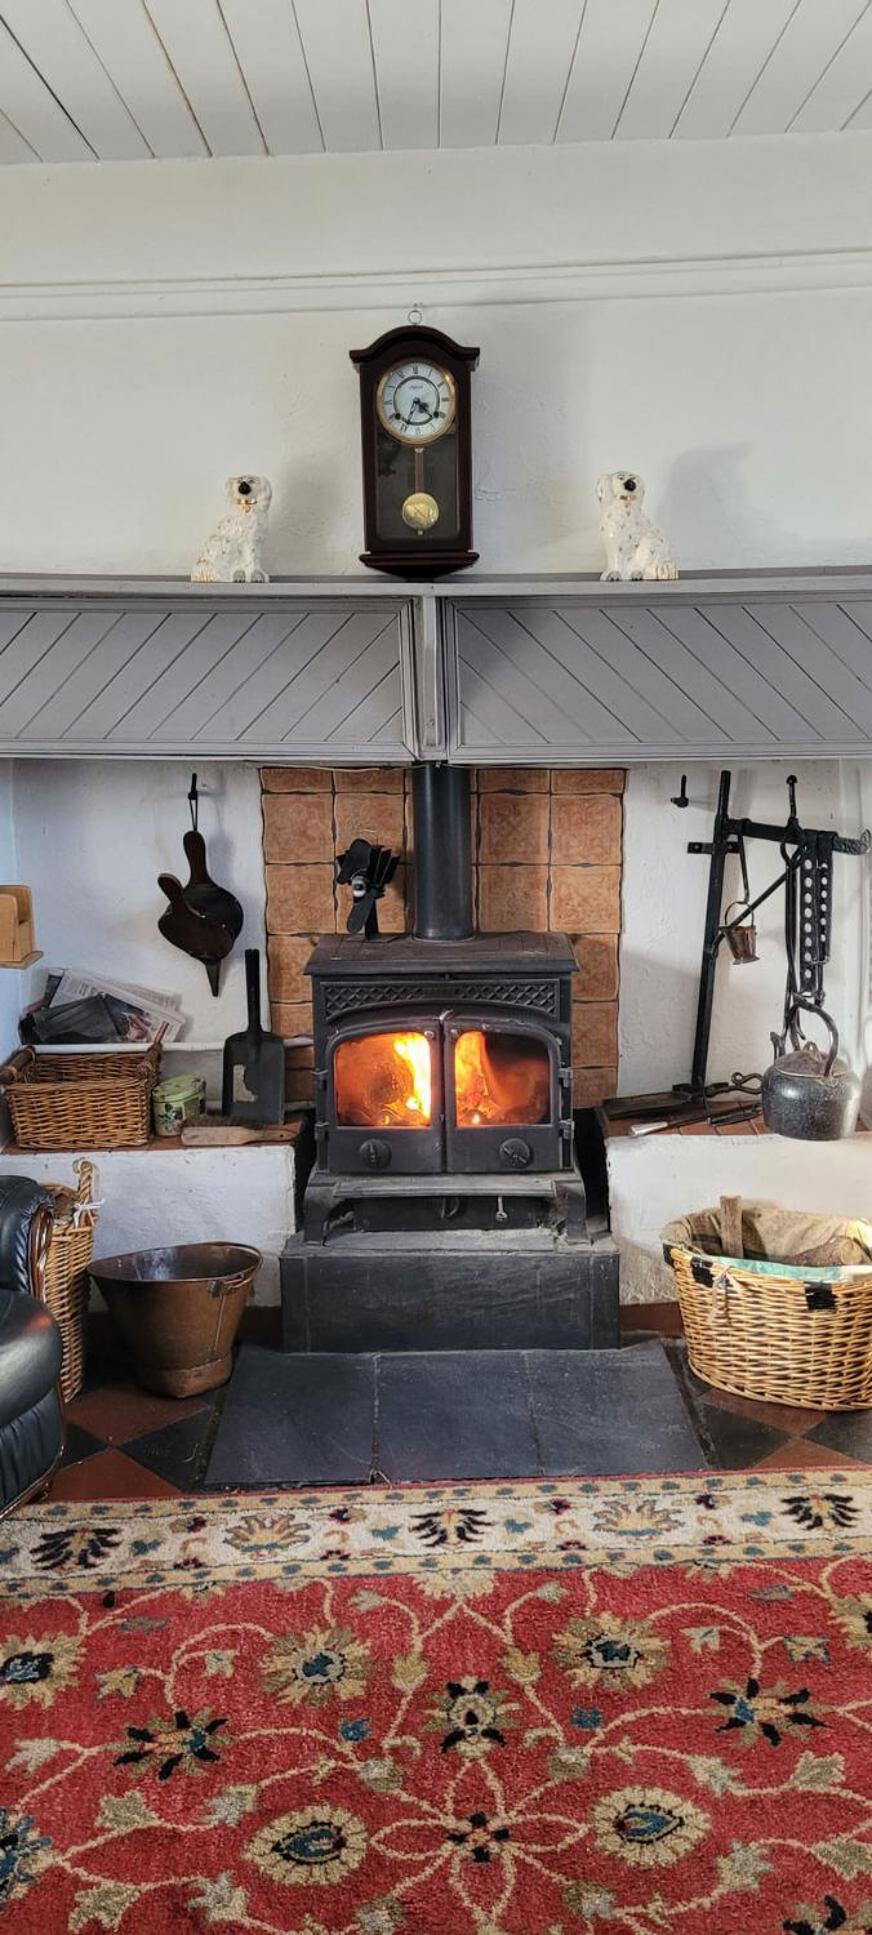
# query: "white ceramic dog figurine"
{"type": "Point", "coordinates": [633, 545]}
{"type": "Point", "coordinates": [232, 555]}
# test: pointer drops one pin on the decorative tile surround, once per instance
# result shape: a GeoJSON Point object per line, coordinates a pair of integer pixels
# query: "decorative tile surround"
{"type": "Point", "coordinates": [547, 853]}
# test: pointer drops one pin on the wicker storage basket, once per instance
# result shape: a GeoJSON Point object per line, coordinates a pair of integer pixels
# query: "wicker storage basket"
{"type": "Point", "coordinates": [779, 1328]}
{"type": "Point", "coordinates": [66, 1271]}
{"type": "Point", "coordinates": [91, 1101]}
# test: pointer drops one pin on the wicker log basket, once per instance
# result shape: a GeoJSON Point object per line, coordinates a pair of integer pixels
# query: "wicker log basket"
{"type": "Point", "coordinates": [91, 1101]}
{"type": "Point", "coordinates": [776, 1304]}
{"type": "Point", "coordinates": [67, 1279]}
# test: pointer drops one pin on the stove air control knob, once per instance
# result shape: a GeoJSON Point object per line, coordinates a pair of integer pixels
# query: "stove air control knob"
{"type": "Point", "coordinates": [515, 1153]}
{"type": "Point", "coordinates": [375, 1154]}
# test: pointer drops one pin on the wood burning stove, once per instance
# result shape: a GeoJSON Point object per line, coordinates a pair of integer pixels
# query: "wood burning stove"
{"type": "Point", "coordinates": [443, 1056]}
{"type": "Point", "coordinates": [446, 1207]}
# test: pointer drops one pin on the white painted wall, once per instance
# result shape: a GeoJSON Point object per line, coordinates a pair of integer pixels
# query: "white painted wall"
{"type": "Point", "coordinates": [211, 307]}
{"type": "Point", "coordinates": [93, 837]}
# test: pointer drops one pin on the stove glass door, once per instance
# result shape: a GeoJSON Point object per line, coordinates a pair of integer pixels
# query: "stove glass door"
{"type": "Point", "coordinates": [385, 1098]}
{"type": "Point", "coordinates": [501, 1091]}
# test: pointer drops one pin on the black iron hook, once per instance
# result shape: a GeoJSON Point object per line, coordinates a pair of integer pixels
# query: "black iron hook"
{"type": "Point", "coordinates": [680, 798]}
{"type": "Point", "coordinates": [194, 801]}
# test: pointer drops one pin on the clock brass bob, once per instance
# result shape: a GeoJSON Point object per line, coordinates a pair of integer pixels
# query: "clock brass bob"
{"type": "Point", "coordinates": [420, 511]}
{"type": "Point", "coordinates": [416, 438]}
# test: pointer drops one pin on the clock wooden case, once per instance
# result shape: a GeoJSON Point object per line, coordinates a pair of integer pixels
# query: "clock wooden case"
{"type": "Point", "coordinates": [417, 452]}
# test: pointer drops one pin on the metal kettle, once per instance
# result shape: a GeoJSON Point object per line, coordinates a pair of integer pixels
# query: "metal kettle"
{"type": "Point", "coordinates": [809, 1094]}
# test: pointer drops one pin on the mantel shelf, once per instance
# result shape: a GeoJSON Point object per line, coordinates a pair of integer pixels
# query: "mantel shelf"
{"type": "Point", "coordinates": [477, 669]}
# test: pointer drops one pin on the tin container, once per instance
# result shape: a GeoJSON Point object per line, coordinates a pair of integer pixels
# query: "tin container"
{"type": "Point", "coordinates": [180, 1099]}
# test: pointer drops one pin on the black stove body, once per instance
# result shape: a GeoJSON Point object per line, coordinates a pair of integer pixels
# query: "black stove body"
{"type": "Point", "coordinates": [445, 1208]}
{"type": "Point", "coordinates": [443, 1057]}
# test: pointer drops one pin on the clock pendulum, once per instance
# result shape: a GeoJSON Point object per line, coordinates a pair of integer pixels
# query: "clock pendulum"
{"type": "Point", "coordinates": [420, 509]}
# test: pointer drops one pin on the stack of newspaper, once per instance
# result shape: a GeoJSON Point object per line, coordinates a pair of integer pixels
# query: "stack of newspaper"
{"type": "Point", "coordinates": [80, 1007]}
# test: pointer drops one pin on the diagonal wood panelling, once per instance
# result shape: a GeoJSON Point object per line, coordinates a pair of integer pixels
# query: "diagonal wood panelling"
{"type": "Point", "coordinates": [248, 678]}
{"type": "Point", "coordinates": [121, 79]}
{"type": "Point", "coordinates": [637, 677]}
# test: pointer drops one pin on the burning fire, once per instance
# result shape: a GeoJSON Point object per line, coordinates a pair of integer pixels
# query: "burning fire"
{"type": "Point", "coordinates": [500, 1078]}
{"type": "Point", "coordinates": [384, 1081]}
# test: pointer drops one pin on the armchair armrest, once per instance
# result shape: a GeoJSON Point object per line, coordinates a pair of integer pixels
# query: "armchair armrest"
{"type": "Point", "coordinates": [26, 1214]}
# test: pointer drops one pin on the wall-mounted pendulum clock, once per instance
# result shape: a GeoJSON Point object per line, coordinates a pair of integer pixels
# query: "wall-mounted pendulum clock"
{"type": "Point", "coordinates": [417, 452]}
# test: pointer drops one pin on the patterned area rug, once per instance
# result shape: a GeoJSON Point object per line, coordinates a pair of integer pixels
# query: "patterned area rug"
{"type": "Point", "coordinates": [528, 1709]}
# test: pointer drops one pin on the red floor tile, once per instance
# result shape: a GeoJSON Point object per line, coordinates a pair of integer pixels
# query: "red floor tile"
{"type": "Point", "coordinates": [799, 1453]}
{"type": "Point", "coordinates": [118, 1412]}
{"type": "Point", "coordinates": [791, 1418]}
{"type": "Point", "coordinates": [110, 1474]}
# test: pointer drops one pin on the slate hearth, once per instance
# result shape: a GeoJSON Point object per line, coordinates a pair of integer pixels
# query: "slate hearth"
{"type": "Point", "coordinates": [417, 1416]}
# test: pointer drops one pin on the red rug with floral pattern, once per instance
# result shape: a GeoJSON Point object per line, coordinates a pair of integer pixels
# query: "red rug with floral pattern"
{"type": "Point", "coordinates": [527, 1709]}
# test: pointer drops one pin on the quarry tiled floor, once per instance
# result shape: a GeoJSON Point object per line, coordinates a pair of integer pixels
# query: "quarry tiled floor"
{"type": "Point", "coordinates": [125, 1443]}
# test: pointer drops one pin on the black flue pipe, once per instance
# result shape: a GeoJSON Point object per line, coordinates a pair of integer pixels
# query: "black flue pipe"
{"type": "Point", "coordinates": [443, 861]}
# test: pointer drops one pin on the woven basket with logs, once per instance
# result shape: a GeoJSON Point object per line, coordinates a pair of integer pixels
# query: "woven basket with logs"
{"type": "Point", "coordinates": [776, 1304]}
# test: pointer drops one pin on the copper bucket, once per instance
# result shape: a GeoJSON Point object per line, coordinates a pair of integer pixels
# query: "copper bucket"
{"type": "Point", "coordinates": [741, 934]}
{"type": "Point", "coordinates": [178, 1311]}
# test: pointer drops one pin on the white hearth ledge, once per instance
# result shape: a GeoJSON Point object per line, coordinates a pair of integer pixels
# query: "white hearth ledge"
{"type": "Point", "coordinates": [153, 1196]}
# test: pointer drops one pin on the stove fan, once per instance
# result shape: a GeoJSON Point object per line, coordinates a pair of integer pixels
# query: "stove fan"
{"type": "Point", "coordinates": [367, 870]}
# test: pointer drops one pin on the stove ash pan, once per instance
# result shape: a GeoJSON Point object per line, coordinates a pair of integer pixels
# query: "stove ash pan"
{"type": "Point", "coordinates": [439, 1057]}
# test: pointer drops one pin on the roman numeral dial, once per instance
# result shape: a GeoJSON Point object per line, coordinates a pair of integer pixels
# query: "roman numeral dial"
{"type": "Point", "coordinates": [416, 402]}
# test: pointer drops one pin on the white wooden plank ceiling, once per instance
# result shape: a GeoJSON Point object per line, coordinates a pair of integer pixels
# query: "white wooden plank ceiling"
{"type": "Point", "coordinates": [119, 80]}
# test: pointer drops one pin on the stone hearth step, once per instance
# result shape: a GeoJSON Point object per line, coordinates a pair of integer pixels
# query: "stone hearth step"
{"type": "Point", "coordinates": [327, 1418]}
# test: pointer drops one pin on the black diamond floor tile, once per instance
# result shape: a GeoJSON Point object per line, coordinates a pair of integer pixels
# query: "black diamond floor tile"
{"type": "Point", "coordinates": [848, 1432]}
{"type": "Point", "coordinates": [80, 1444]}
{"type": "Point", "coordinates": [179, 1452]}
{"type": "Point", "coordinates": [730, 1441]}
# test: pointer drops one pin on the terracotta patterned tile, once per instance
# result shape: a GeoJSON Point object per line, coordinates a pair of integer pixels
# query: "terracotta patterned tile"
{"type": "Point", "coordinates": [300, 900]}
{"type": "Point", "coordinates": [116, 1412]}
{"type": "Point", "coordinates": [296, 779]}
{"type": "Point", "coordinates": [286, 959]}
{"type": "Point", "coordinates": [594, 1034]}
{"type": "Point", "coordinates": [587, 779]}
{"type": "Point", "coordinates": [369, 779]}
{"type": "Point", "coordinates": [377, 817]}
{"type": "Point", "coordinates": [587, 829]}
{"type": "Point", "coordinates": [512, 898]}
{"type": "Point", "coordinates": [513, 826]}
{"type": "Point", "coordinates": [290, 1017]}
{"type": "Point", "coordinates": [590, 1086]}
{"type": "Point", "coordinates": [110, 1474]}
{"type": "Point", "coordinates": [513, 779]}
{"type": "Point", "coordinates": [597, 957]}
{"type": "Point", "coordinates": [298, 826]}
{"type": "Point", "coordinates": [586, 899]}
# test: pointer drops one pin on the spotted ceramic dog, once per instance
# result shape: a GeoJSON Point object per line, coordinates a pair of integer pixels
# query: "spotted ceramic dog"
{"type": "Point", "coordinates": [232, 555]}
{"type": "Point", "coordinates": [633, 545]}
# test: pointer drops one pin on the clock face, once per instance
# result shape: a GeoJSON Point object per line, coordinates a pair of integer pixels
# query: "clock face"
{"type": "Point", "coordinates": [416, 402]}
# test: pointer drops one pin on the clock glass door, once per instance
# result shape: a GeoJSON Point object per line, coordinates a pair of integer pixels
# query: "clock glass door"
{"type": "Point", "coordinates": [416, 454]}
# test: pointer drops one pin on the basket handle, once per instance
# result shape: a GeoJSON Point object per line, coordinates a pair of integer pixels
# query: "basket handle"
{"type": "Point", "coordinates": [87, 1175]}
{"type": "Point", "coordinates": [11, 1070]}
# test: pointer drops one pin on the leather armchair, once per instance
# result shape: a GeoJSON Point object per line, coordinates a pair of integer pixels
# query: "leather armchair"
{"type": "Point", "coordinates": [31, 1411]}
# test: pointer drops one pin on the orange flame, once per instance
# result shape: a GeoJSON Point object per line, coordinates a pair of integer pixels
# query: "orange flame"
{"type": "Point", "coordinates": [501, 1078]}
{"type": "Point", "coordinates": [384, 1081]}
